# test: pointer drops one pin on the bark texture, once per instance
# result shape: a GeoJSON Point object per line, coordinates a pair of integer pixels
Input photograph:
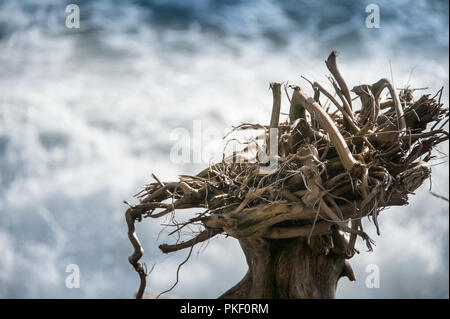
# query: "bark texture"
{"type": "Point", "coordinates": [289, 268]}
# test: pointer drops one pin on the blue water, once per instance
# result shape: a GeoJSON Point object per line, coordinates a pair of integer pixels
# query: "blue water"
{"type": "Point", "coordinates": [86, 116]}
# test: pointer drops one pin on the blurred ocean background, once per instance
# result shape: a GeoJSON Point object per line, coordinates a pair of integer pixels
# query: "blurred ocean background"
{"type": "Point", "coordinates": [86, 116]}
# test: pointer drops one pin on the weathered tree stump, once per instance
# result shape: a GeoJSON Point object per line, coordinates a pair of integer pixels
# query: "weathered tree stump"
{"type": "Point", "coordinates": [289, 268]}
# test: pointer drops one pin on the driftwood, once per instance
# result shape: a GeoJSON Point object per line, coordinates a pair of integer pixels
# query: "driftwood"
{"type": "Point", "coordinates": [334, 168]}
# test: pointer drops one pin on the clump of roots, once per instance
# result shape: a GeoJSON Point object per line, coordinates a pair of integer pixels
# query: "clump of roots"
{"type": "Point", "coordinates": [333, 168]}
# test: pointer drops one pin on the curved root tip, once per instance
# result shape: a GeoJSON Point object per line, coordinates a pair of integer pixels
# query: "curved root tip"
{"type": "Point", "coordinates": [348, 271]}
{"type": "Point", "coordinates": [143, 278]}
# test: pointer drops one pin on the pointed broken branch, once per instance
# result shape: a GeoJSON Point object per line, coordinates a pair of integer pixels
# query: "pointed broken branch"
{"type": "Point", "coordinates": [332, 66]}
{"type": "Point", "coordinates": [296, 110]}
{"type": "Point", "coordinates": [275, 118]}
